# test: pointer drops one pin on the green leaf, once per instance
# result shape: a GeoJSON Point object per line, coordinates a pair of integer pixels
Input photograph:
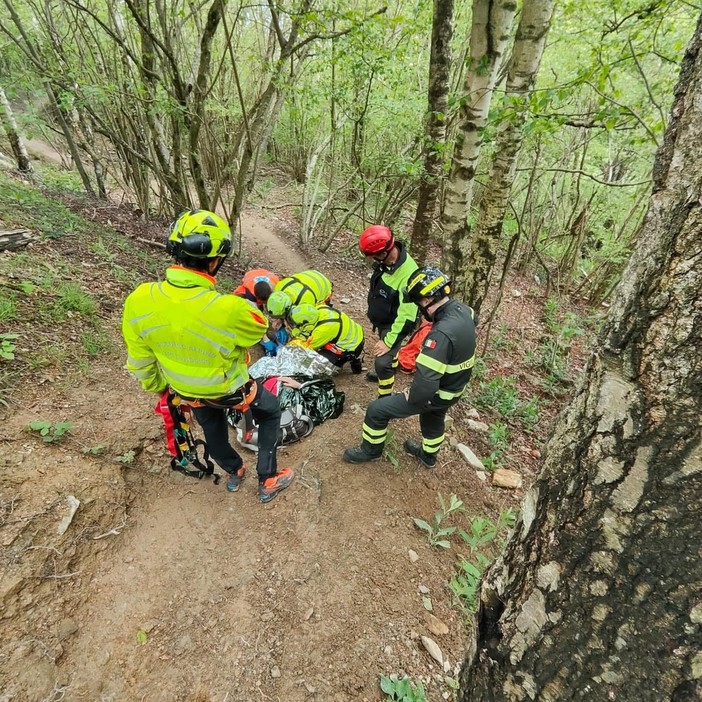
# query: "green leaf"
{"type": "Point", "coordinates": [426, 601]}
{"type": "Point", "coordinates": [445, 531]}
{"type": "Point", "coordinates": [142, 637]}
{"type": "Point", "coordinates": [423, 525]}
{"type": "Point", "coordinates": [39, 424]}
{"type": "Point", "coordinates": [451, 682]}
{"type": "Point", "coordinates": [387, 685]}
{"type": "Point", "coordinates": [443, 544]}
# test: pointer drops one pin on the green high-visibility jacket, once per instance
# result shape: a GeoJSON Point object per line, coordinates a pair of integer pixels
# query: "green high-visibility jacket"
{"type": "Point", "coordinates": [332, 327]}
{"type": "Point", "coordinates": [183, 333]}
{"type": "Point", "coordinates": [306, 288]}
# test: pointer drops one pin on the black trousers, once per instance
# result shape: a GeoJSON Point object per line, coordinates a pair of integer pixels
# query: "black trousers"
{"type": "Point", "coordinates": [339, 359]}
{"type": "Point", "coordinates": [431, 420]}
{"type": "Point", "coordinates": [213, 420]}
{"type": "Point", "coordinates": [386, 365]}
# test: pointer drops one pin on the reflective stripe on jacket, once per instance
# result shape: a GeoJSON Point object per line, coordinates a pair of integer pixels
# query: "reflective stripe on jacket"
{"type": "Point", "coordinates": [386, 308]}
{"type": "Point", "coordinates": [307, 287]}
{"type": "Point", "coordinates": [333, 327]}
{"type": "Point", "coordinates": [445, 362]}
{"type": "Point", "coordinates": [246, 289]}
{"type": "Point", "coordinates": [183, 333]}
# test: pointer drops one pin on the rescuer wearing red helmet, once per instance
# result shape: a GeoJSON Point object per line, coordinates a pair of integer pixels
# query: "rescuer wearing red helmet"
{"type": "Point", "coordinates": [390, 315]}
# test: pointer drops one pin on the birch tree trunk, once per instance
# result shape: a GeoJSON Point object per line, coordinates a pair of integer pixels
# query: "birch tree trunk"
{"type": "Point", "coordinates": [439, 72]}
{"type": "Point", "coordinates": [490, 31]}
{"type": "Point", "coordinates": [598, 594]}
{"type": "Point", "coordinates": [524, 66]}
{"type": "Point", "coordinates": [19, 150]}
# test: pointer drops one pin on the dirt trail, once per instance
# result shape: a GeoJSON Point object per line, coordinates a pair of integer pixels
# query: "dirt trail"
{"type": "Point", "coordinates": [178, 590]}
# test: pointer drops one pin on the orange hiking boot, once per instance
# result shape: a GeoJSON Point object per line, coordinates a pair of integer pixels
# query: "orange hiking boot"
{"type": "Point", "coordinates": [270, 487]}
{"type": "Point", "coordinates": [235, 479]}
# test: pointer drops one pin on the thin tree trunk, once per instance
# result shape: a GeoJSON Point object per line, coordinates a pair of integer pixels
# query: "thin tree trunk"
{"type": "Point", "coordinates": [472, 283]}
{"type": "Point", "coordinates": [199, 94]}
{"type": "Point", "coordinates": [490, 31]}
{"type": "Point", "coordinates": [13, 136]}
{"type": "Point", "coordinates": [439, 74]}
{"type": "Point", "coordinates": [70, 141]}
{"type": "Point", "coordinates": [598, 594]}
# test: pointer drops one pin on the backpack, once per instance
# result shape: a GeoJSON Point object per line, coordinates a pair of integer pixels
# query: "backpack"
{"type": "Point", "coordinates": [294, 426]}
{"type": "Point", "coordinates": [407, 358]}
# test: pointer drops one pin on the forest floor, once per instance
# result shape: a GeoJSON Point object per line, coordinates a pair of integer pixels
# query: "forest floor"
{"type": "Point", "coordinates": [162, 587]}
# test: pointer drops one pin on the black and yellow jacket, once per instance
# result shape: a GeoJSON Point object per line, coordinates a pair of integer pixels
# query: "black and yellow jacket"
{"type": "Point", "coordinates": [386, 308]}
{"type": "Point", "coordinates": [445, 362]}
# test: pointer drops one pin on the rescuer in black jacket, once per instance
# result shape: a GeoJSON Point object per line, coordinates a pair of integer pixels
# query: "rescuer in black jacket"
{"type": "Point", "coordinates": [444, 367]}
{"type": "Point", "coordinates": [391, 316]}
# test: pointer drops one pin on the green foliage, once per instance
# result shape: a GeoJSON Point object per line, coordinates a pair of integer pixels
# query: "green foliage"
{"type": "Point", "coordinates": [391, 449]}
{"type": "Point", "coordinates": [97, 450]}
{"type": "Point", "coordinates": [555, 345]}
{"type": "Point", "coordinates": [499, 394]}
{"type": "Point", "coordinates": [7, 347]}
{"type": "Point", "coordinates": [436, 533]}
{"type": "Point", "coordinates": [72, 298]}
{"type": "Point", "coordinates": [498, 437]}
{"type": "Point", "coordinates": [25, 206]}
{"type": "Point", "coordinates": [126, 458]}
{"type": "Point", "coordinates": [49, 431]}
{"type": "Point", "coordinates": [8, 307]}
{"type": "Point", "coordinates": [483, 531]}
{"type": "Point", "coordinates": [95, 341]}
{"type": "Point", "coordinates": [402, 689]}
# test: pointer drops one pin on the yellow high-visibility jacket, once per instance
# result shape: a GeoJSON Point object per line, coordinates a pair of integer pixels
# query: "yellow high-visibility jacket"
{"type": "Point", "coordinates": [183, 333]}
{"type": "Point", "coordinates": [306, 288]}
{"type": "Point", "coordinates": [332, 327]}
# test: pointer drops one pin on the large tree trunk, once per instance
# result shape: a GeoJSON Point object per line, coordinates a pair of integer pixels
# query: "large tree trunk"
{"type": "Point", "coordinates": [524, 66]}
{"type": "Point", "coordinates": [439, 72]}
{"type": "Point", "coordinates": [490, 31]}
{"type": "Point", "coordinates": [19, 150]}
{"type": "Point", "coordinates": [598, 594]}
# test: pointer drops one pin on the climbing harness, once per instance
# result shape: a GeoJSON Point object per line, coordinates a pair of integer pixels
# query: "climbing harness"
{"type": "Point", "coordinates": [182, 445]}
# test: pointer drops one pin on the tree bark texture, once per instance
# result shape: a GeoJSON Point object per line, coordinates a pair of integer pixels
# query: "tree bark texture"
{"type": "Point", "coordinates": [490, 32]}
{"type": "Point", "coordinates": [597, 596]}
{"type": "Point", "coordinates": [19, 150]}
{"type": "Point", "coordinates": [474, 278]}
{"type": "Point", "coordinates": [439, 73]}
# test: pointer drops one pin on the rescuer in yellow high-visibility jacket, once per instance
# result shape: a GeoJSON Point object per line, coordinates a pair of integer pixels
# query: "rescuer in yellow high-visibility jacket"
{"type": "Point", "coordinates": [331, 333]}
{"type": "Point", "coordinates": [181, 333]}
{"type": "Point", "coordinates": [304, 288]}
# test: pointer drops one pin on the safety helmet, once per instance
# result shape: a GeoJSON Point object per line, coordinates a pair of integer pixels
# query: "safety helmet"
{"type": "Point", "coordinates": [427, 281]}
{"type": "Point", "coordinates": [302, 315]}
{"type": "Point", "coordinates": [376, 239]}
{"type": "Point", "coordinates": [199, 234]}
{"type": "Point", "coordinates": [278, 304]}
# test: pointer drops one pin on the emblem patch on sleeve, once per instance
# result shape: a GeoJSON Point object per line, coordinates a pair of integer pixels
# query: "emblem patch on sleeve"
{"type": "Point", "coordinates": [430, 344]}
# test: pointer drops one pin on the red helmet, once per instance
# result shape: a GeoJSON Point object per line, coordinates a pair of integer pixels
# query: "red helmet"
{"type": "Point", "coordinates": [376, 239]}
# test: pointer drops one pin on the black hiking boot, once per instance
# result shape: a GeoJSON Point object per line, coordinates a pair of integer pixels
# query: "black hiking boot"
{"type": "Point", "coordinates": [356, 366]}
{"type": "Point", "coordinates": [363, 453]}
{"type": "Point", "coordinates": [414, 448]}
{"type": "Point", "coordinates": [372, 376]}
